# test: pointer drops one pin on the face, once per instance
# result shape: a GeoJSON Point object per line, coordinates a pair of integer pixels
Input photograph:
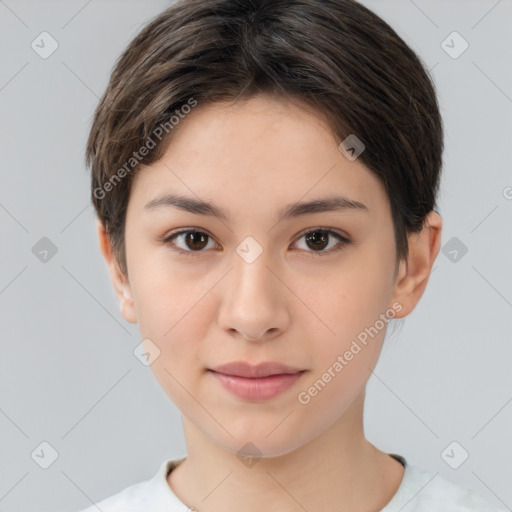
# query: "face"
{"type": "Point", "coordinates": [312, 290]}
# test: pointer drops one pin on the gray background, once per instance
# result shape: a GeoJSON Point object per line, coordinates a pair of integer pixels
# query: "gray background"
{"type": "Point", "coordinates": [68, 374]}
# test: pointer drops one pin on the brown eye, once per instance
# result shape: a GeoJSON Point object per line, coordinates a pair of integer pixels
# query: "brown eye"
{"type": "Point", "coordinates": [317, 240]}
{"type": "Point", "coordinates": [189, 241]}
{"type": "Point", "coordinates": [196, 240]}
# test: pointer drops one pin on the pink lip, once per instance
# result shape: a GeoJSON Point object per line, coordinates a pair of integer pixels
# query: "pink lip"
{"type": "Point", "coordinates": [243, 369]}
{"type": "Point", "coordinates": [256, 383]}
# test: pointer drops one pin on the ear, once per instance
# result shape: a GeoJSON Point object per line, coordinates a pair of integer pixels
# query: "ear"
{"type": "Point", "coordinates": [119, 280]}
{"type": "Point", "coordinates": [413, 273]}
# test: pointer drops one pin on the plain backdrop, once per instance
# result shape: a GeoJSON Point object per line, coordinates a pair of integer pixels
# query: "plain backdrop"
{"type": "Point", "coordinates": [68, 375]}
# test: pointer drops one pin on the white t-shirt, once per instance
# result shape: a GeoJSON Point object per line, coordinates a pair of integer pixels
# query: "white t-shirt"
{"type": "Point", "coordinates": [419, 491]}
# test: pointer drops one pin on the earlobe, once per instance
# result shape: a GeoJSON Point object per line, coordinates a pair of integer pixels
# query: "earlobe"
{"type": "Point", "coordinates": [414, 272]}
{"type": "Point", "coordinates": [119, 279]}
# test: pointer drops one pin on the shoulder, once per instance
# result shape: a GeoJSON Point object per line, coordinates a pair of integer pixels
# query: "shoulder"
{"type": "Point", "coordinates": [149, 495]}
{"type": "Point", "coordinates": [424, 491]}
{"type": "Point", "coordinates": [130, 499]}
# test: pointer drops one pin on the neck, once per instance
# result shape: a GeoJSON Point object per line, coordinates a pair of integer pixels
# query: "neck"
{"type": "Point", "coordinates": [338, 470]}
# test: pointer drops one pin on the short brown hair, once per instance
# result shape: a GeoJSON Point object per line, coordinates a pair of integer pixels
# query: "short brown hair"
{"type": "Point", "coordinates": [333, 55]}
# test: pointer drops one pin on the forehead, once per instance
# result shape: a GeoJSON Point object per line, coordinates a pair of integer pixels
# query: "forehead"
{"type": "Point", "coordinates": [259, 152]}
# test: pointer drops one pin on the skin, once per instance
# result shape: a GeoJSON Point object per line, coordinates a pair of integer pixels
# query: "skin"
{"type": "Point", "coordinates": [252, 158]}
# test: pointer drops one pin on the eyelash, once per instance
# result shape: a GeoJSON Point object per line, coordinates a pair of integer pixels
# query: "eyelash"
{"type": "Point", "coordinates": [343, 241]}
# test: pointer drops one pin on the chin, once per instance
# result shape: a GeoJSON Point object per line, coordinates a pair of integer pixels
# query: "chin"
{"type": "Point", "coordinates": [252, 445]}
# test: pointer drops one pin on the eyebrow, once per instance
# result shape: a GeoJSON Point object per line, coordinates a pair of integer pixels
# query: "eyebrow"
{"type": "Point", "coordinates": [199, 207]}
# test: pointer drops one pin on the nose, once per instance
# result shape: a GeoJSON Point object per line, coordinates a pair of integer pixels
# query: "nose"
{"type": "Point", "coordinates": [254, 304]}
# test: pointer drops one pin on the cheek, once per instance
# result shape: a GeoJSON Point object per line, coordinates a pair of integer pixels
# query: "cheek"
{"type": "Point", "coordinates": [163, 294]}
{"type": "Point", "coordinates": [355, 298]}
{"type": "Point", "coordinates": [342, 362]}
{"type": "Point", "coordinates": [351, 307]}
{"type": "Point", "coordinates": [175, 314]}
{"type": "Point", "coordinates": [176, 320]}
